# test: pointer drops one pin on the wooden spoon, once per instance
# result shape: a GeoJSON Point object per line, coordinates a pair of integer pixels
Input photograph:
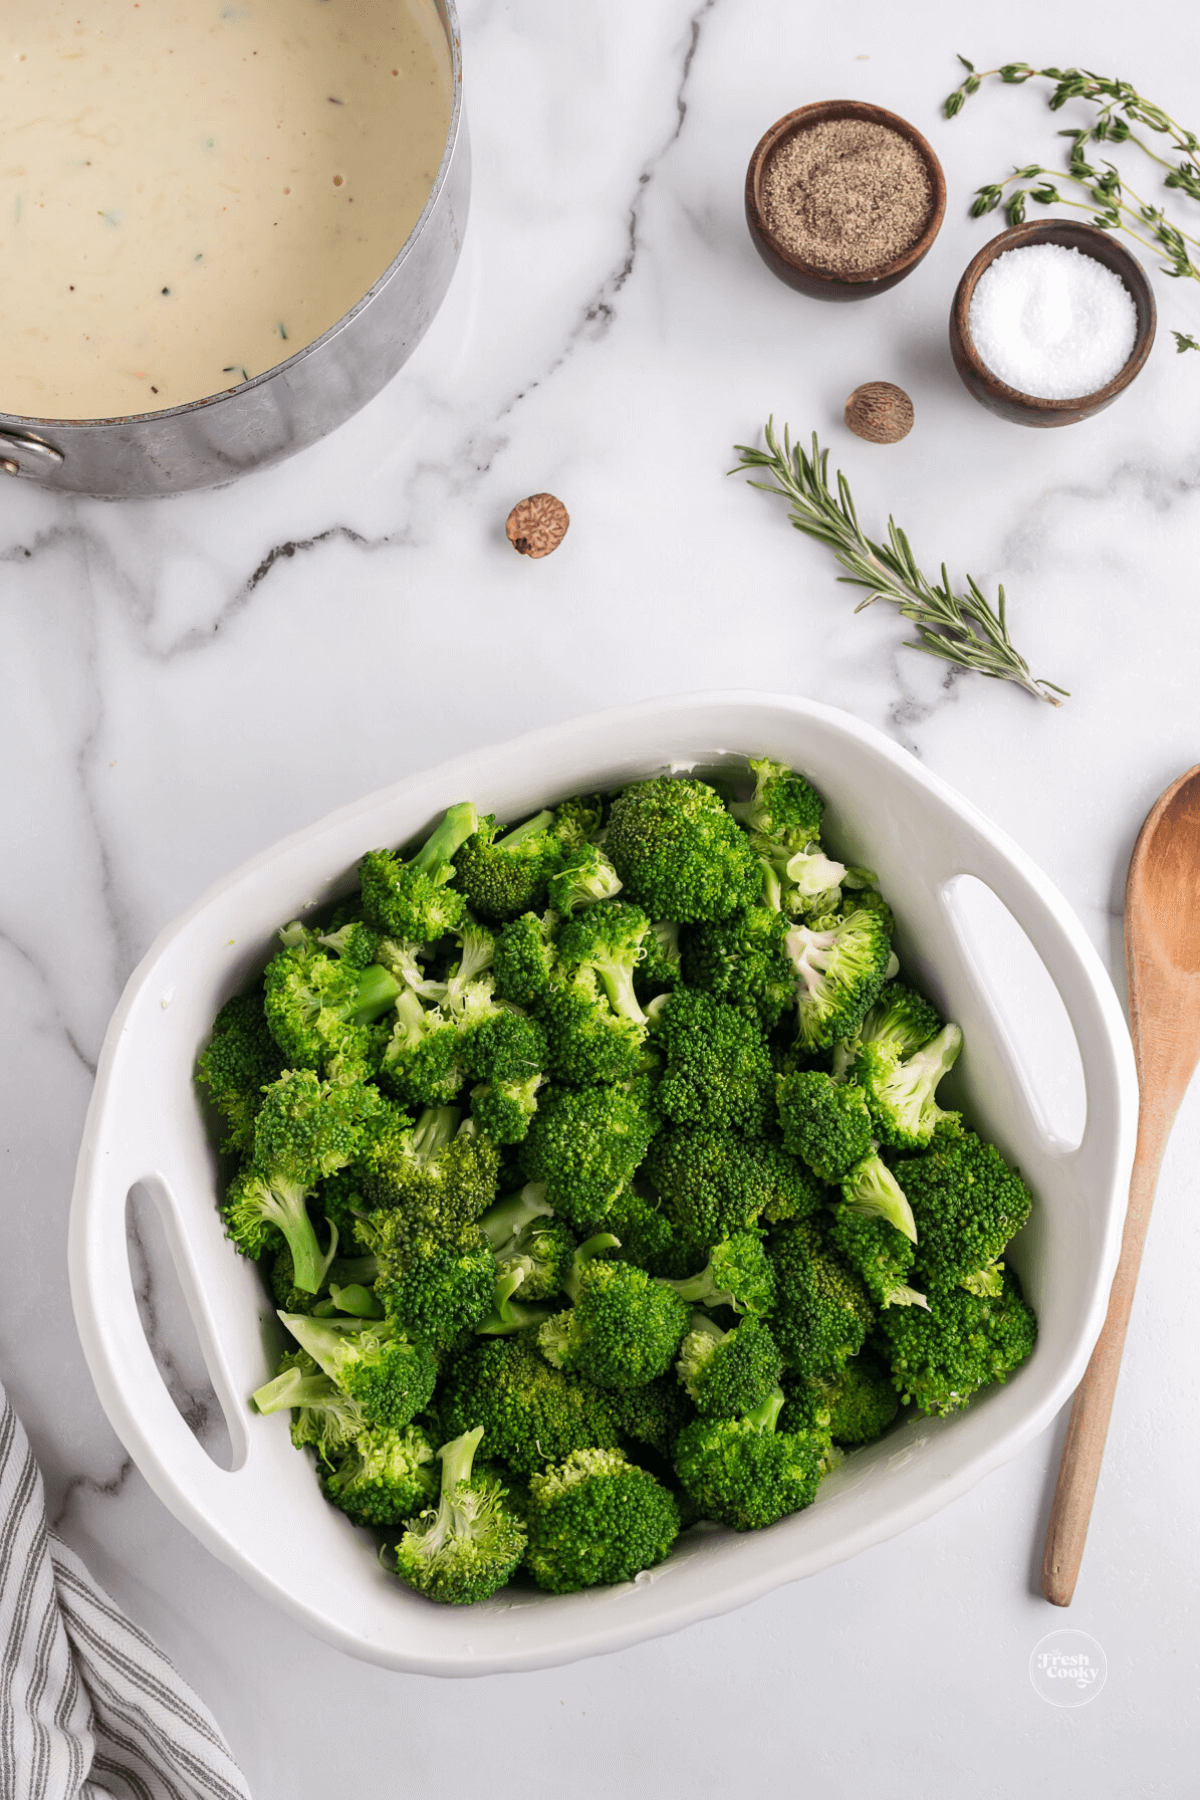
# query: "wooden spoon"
{"type": "Point", "coordinates": [1162, 960]}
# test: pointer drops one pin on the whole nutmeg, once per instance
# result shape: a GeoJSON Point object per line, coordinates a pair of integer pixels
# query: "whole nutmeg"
{"type": "Point", "coordinates": [538, 525]}
{"type": "Point", "coordinates": [879, 412]}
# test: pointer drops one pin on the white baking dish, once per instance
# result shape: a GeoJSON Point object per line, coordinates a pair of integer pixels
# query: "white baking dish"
{"type": "Point", "coordinates": [266, 1517]}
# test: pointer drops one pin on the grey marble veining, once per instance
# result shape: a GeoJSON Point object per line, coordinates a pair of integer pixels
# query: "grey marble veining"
{"type": "Point", "coordinates": [187, 681]}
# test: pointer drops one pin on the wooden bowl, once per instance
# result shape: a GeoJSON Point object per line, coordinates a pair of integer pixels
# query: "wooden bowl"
{"type": "Point", "coordinates": [1030, 409]}
{"type": "Point", "coordinates": [810, 278]}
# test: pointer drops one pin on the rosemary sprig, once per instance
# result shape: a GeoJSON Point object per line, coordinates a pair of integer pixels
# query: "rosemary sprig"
{"type": "Point", "coordinates": [1111, 203]}
{"type": "Point", "coordinates": [960, 628]}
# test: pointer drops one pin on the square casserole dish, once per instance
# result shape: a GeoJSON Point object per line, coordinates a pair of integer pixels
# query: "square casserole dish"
{"type": "Point", "coordinates": [265, 1517]}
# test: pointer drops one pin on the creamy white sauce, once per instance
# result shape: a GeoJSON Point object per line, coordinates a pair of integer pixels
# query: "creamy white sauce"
{"type": "Point", "coordinates": [191, 191]}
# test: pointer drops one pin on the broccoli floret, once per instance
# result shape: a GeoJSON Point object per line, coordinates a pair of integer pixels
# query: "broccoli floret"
{"type": "Point", "coordinates": [385, 1477]}
{"type": "Point", "coordinates": [411, 901]}
{"type": "Point", "coordinates": [580, 820]}
{"type": "Point", "coordinates": [880, 1256]}
{"type": "Point", "coordinates": [660, 969]}
{"type": "Point", "coordinates": [964, 1341]}
{"type": "Point", "coordinates": [503, 1109]}
{"type": "Point", "coordinates": [322, 1415]}
{"type": "Point", "coordinates": [811, 883]}
{"type": "Point", "coordinates": [305, 1129]}
{"type": "Point", "coordinates": [526, 958]}
{"type": "Point", "coordinates": [745, 1473]}
{"type": "Point", "coordinates": [623, 1328]}
{"type": "Point", "coordinates": [533, 1413]}
{"type": "Point", "coordinates": [597, 1518]}
{"type": "Point", "coordinates": [717, 1068]}
{"type": "Point", "coordinates": [504, 873]}
{"type": "Point", "coordinates": [679, 853]}
{"type": "Point", "coordinates": [900, 1093]}
{"type": "Point", "coordinates": [743, 959]}
{"type": "Point", "coordinates": [468, 1546]}
{"type": "Point", "coordinates": [855, 1405]}
{"type": "Point", "coordinates": [653, 1414]}
{"type": "Point", "coordinates": [729, 1373]}
{"type": "Point", "coordinates": [424, 1060]}
{"type": "Point", "coordinates": [321, 1010]}
{"type": "Point", "coordinates": [525, 1235]}
{"type": "Point", "coordinates": [435, 1283]}
{"type": "Point", "coordinates": [901, 1020]}
{"type": "Point", "coordinates": [967, 1204]}
{"type": "Point", "coordinates": [585, 1146]}
{"type": "Point", "coordinates": [435, 1173]}
{"type": "Point", "coordinates": [509, 1311]}
{"type": "Point", "coordinates": [647, 1235]}
{"type": "Point", "coordinates": [838, 974]}
{"type": "Point", "coordinates": [738, 1273]}
{"type": "Point", "coordinates": [785, 808]}
{"type": "Point", "coordinates": [822, 1312]}
{"type": "Point", "coordinates": [870, 1188]}
{"type": "Point", "coordinates": [376, 1365]}
{"type": "Point", "coordinates": [824, 1122]}
{"type": "Point", "coordinates": [713, 1184]}
{"type": "Point", "coordinates": [585, 877]}
{"type": "Point", "coordinates": [609, 940]}
{"type": "Point", "coordinates": [586, 1041]}
{"type": "Point", "coordinates": [240, 1060]}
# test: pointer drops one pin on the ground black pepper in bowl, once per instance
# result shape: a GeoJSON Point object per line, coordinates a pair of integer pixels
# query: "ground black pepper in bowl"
{"type": "Point", "coordinates": [843, 199]}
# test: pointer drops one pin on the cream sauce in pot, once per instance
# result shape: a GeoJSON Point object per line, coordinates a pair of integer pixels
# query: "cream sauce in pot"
{"type": "Point", "coordinates": [191, 190]}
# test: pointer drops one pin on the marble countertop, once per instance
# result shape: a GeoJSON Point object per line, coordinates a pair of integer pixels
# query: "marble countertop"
{"type": "Point", "coordinates": [186, 681]}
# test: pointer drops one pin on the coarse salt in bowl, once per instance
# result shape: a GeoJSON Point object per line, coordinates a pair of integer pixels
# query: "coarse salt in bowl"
{"type": "Point", "coordinates": [1051, 321]}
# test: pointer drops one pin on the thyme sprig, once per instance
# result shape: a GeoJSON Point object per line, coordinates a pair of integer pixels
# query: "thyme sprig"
{"type": "Point", "coordinates": [1111, 203]}
{"type": "Point", "coordinates": [960, 628]}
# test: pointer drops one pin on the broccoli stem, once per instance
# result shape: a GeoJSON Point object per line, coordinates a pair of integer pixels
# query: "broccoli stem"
{"type": "Point", "coordinates": [377, 990]}
{"type": "Point", "coordinates": [285, 1206]}
{"type": "Point", "coordinates": [434, 1130]}
{"type": "Point", "coordinates": [531, 828]}
{"type": "Point", "coordinates": [617, 980]}
{"type": "Point", "coordinates": [505, 1220]}
{"type": "Point", "coordinates": [457, 1459]}
{"type": "Point", "coordinates": [324, 1339]}
{"type": "Point", "coordinates": [291, 1388]}
{"type": "Point", "coordinates": [764, 1417]}
{"type": "Point", "coordinates": [460, 823]}
{"type": "Point", "coordinates": [357, 1300]}
{"type": "Point", "coordinates": [506, 1315]}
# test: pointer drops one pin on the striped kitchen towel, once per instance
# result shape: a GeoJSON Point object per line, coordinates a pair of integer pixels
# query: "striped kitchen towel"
{"type": "Point", "coordinates": [90, 1708]}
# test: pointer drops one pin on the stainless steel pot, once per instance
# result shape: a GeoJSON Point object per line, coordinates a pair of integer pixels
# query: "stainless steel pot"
{"type": "Point", "coordinates": [289, 407]}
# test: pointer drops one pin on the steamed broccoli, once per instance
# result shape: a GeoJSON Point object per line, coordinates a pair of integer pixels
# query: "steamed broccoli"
{"type": "Point", "coordinates": [376, 1365]}
{"type": "Point", "coordinates": [717, 1069]}
{"type": "Point", "coordinates": [509, 1311]}
{"type": "Point", "coordinates": [435, 1281]}
{"type": "Point", "coordinates": [870, 1188]}
{"type": "Point", "coordinates": [608, 940]}
{"type": "Point", "coordinates": [728, 1373]}
{"type": "Point", "coordinates": [623, 1327]}
{"type": "Point", "coordinates": [468, 1546]}
{"type": "Point", "coordinates": [822, 1311]}
{"type": "Point", "coordinates": [900, 1093]}
{"type": "Point", "coordinates": [967, 1204]}
{"type": "Point", "coordinates": [321, 1010]}
{"type": "Point", "coordinates": [239, 1061]}
{"type": "Point", "coordinates": [436, 1172]}
{"type": "Point", "coordinates": [597, 1518]}
{"type": "Point", "coordinates": [385, 1477]}
{"type": "Point", "coordinates": [526, 958]}
{"type": "Point", "coordinates": [524, 1234]}
{"type": "Point", "coordinates": [745, 1473]}
{"type": "Point", "coordinates": [533, 1413]}
{"type": "Point", "coordinates": [586, 876]}
{"type": "Point", "coordinates": [942, 1356]}
{"type": "Point", "coordinates": [586, 1041]}
{"type": "Point", "coordinates": [504, 872]}
{"type": "Point", "coordinates": [503, 1109]}
{"type": "Point", "coordinates": [855, 1404]}
{"type": "Point", "coordinates": [838, 974]}
{"type": "Point", "coordinates": [647, 1235]}
{"type": "Point", "coordinates": [660, 969]}
{"type": "Point", "coordinates": [784, 809]}
{"type": "Point", "coordinates": [738, 1273]}
{"type": "Point", "coordinates": [713, 1184]}
{"type": "Point", "coordinates": [901, 1020]}
{"type": "Point", "coordinates": [322, 1414]}
{"type": "Point", "coordinates": [743, 959]}
{"type": "Point", "coordinates": [411, 901]}
{"type": "Point", "coordinates": [880, 1256]}
{"type": "Point", "coordinates": [824, 1122]}
{"type": "Point", "coordinates": [653, 1414]}
{"type": "Point", "coordinates": [305, 1129]}
{"type": "Point", "coordinates": [585, 1146]}
{"type": "Point", "coordinates": [679, 853]}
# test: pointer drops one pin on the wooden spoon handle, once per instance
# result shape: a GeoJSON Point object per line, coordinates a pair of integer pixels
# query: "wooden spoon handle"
{"type": "Point", "coordinates": [1087, 1429]}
